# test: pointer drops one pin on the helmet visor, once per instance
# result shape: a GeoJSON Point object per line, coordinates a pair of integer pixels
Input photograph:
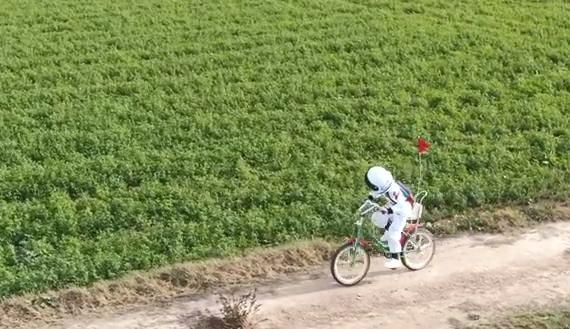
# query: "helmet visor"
{"type": "Point", "coordinates": [369, 183]}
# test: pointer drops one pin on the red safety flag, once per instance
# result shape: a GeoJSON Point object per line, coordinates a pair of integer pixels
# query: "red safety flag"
{"type": "Point", "coordinates": [423, 145]}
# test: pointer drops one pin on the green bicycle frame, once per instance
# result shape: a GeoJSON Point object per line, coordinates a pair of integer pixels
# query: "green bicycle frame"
{"type": "Point", "coordinates": [368, 207]}
{"type": "Point", "coordinates": [358, 239]}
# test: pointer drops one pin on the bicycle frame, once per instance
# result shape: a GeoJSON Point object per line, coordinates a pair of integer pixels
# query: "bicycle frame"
{"type": "Point", "coordinates": [368, 207]}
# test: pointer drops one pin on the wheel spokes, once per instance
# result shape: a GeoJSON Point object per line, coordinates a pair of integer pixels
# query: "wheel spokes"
{"type": "Point", "coordinates": [351, 253]}
{"type": "Point", "coordinates": [415, 247]}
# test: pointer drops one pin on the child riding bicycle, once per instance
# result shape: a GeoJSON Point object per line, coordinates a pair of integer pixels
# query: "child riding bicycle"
{"type": "Point", "coordinates": [393, 217]}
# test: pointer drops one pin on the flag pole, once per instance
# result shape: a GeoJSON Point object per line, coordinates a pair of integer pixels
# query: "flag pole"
{"type": "Point", "coordinates": [423, 146]}
{"type": "Point", "coordinates": [420, 178]}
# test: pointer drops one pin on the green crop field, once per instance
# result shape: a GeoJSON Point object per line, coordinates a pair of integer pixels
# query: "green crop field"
{"type": "Point", "coordinates": [139, 133]}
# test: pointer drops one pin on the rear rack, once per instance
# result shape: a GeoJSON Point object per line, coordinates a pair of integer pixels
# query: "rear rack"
{"type": "Point", "coordinates": [417, 208]}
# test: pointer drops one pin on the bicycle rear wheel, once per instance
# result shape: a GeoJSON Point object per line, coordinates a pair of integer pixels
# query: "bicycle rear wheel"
{"type": "Point", "coordinates": [418, 243]}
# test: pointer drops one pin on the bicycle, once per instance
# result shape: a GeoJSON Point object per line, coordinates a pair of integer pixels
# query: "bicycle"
{"type": "Point", "coordinates": [358, 244]}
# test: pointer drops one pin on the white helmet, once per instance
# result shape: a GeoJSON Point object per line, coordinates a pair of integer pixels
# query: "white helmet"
{"type": "Point", "coordinates": [378, 179]}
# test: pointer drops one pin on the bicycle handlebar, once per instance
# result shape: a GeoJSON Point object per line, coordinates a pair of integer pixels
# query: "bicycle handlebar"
{"type": "Point", "coordinates": [369, 206]}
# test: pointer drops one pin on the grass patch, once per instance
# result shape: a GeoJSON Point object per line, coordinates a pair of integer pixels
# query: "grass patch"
{"type": "Point", "coordinates": [558, 318]}
{"type": "Point", "coordinates": [501, 220]}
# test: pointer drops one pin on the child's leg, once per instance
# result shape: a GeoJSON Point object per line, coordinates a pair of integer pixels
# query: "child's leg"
{"type": "Point", "coordinates": [395, 233]}
{"type": "Point", "coordinates": [381, 220]}
{"type": "Point", "coordinates": [399, 219]}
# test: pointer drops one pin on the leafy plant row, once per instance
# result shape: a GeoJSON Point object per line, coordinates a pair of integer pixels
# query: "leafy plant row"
{"type": "Point", "coordinates": [133, 135]}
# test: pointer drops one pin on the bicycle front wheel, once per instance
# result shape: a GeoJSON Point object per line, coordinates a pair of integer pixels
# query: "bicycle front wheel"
{"type": "Point", "coordinates": [353, 255]}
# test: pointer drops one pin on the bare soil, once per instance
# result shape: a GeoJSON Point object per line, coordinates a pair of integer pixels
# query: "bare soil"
{"type": "Point", "coordinates": [471, 279]}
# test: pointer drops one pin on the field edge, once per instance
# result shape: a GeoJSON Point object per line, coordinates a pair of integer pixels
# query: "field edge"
{"type": "Point", "coordinates": [256, 266]}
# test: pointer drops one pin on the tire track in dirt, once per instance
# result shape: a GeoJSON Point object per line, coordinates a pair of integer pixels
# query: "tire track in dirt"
{"type": "Point", "coordinates": [471, 277]}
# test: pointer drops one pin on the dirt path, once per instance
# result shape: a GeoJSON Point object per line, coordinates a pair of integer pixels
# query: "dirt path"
{"type": "Point", "coordinates": [470, 277]}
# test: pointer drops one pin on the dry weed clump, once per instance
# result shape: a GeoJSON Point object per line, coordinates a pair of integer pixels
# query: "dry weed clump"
{"type": "Point", "coordinates": [236, 312]}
